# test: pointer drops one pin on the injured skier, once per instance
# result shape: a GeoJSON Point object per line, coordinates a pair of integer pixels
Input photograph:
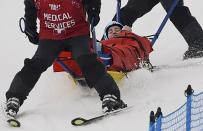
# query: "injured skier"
{"type": "Point", "coordinates": [128, 51]}
{"type": "Point", "coordinates": [120, 51]}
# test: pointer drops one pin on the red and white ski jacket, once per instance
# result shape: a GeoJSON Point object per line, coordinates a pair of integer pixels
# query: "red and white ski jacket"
{"type": "Point", "coordinates": [61, 19]}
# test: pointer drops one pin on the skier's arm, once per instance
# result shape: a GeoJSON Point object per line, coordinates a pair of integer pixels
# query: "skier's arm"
{"type": "Point", "coordinates": [128, 16]}
{"type": "Point", "coordinates": [30, 14]}
{"type": "Point", "coordinates": [31, 21]}
{"type": "Point", "coordinates": [127, 28]}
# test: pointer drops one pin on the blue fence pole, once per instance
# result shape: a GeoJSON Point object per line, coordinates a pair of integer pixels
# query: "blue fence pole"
{"type": "Point", "coordinates": [175, 2]}
{"type": "Point", "coordinates": [158, 117]}
{"type": "Point", "coordinates": [188, 112]}
{"type": "Point", "coordinates": [158, 123]}
{"type": "Point", "coordinates": [188, 93]}
{"type": "Point", "coordinates": [152, 121]}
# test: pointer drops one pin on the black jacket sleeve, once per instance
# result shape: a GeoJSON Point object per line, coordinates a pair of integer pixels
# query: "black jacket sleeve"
{"type": "Point", "coordinates": [31, 21]}
{"type": "Point", "coordinates": [30, 14]}
{"type": "Point", "coordinates": [92, 8]}
{"type": "Point", "coordinates": [135, 9]}
{"type": "Point", "coordinates": [92, 5]}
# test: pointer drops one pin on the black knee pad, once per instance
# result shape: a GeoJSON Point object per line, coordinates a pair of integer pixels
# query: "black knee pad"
{"type": "Point", "coordinates": [92, 69]}
{"type": "Point", "coordinates": [181, 17]}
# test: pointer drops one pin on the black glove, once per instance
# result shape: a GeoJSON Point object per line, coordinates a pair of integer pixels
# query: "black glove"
{"type": "Point", "coordinates": [93, 10]}
{"type": "Point", "coordinates": [30, 21]}
{"type": "Point", "coordinates": [32, 34]}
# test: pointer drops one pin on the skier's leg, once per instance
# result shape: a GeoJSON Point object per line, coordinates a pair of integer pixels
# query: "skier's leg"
{"type": "Point", "coordinates": [188, 26]}
{"type": "Point", "coordinates": [135, 9]}
{"type": "Point", "coordinates": [94, 71]}
{"type": "Point", "coordinates": [25, 79]}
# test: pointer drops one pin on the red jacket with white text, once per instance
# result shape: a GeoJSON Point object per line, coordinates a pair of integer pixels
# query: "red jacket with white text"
{"type": "Point", "coordinates": [61, 19]}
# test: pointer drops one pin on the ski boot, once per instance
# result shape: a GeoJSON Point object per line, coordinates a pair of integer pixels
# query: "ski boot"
{"type": "Point", "coordinates": [193, 53]}
{"type": "Point", "coordinates": [193, 34]}
{"type": "Point", "coordinates": [12, 107]}
{"type": "Point", "coordinates": [111, 103]}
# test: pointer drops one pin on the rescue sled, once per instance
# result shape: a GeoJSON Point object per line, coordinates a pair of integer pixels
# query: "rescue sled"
{"type": "Point", "coordinates": [126, 55]}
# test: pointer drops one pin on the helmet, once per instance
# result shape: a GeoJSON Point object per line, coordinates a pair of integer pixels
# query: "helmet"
{"type": "Point", "coordinates": [110, 24]}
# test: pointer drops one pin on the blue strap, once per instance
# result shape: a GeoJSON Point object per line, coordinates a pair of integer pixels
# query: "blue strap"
{"type": "Point", "coordinates": [106, 58]}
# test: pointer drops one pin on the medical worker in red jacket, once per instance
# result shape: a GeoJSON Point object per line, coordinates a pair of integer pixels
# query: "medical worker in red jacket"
{"type": "Point", "coordinates": [63, 26]}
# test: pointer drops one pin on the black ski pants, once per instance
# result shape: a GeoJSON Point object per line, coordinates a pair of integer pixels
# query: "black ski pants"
{"type": "Point", "coordinates": [47, 51]}
{"type": "Point", "coordinates": [134, 9]}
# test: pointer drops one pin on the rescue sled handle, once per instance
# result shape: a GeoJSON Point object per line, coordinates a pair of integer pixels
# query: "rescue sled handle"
{"type": "Point", "coordinates": [93, 28]}
{"type": "Point", "coordinates": [94, 39]}
{"type": "Point", "coordinates": [22, 25]}
{"type": "Point", "coordinates": [118, 11]}
{"type": "Point", "coordinates": [169, 13]}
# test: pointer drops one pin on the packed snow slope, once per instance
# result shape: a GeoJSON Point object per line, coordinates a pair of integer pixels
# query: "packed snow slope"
{"type": "Point", "coordinates": [55, 100]}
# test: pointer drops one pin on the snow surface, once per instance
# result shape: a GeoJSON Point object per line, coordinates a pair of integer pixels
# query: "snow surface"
{"type": "Point", "coordinates": [55, 100]}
